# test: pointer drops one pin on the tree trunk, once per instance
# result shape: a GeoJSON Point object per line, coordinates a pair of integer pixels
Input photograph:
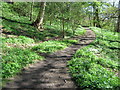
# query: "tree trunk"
{"type": "Point", "coordinates": [63, 28]}
{"type": "Point", "coordinates": [39, 21]}
{"type": "Point", "coordinates": [118, 22]}
{"type": "Point", "coordinates": [9, 1]}
{"type": "Point", "coordinates": [73, 27]}
{"type": "Point", "coordinates": [90, 20]}
{"type": "Point", "coordinates": [50, 22]}
{"type": "Point", "coordinates": [31, 10]}
{"type": "Point", "coordinates": [96, 19]}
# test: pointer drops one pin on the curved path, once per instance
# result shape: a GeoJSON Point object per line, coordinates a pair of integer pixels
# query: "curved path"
{"type": "Point", "coordinates": [52, 72]}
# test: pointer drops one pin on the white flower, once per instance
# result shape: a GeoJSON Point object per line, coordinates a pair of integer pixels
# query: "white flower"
{"type": "Point", "coordinates": [94, 50]}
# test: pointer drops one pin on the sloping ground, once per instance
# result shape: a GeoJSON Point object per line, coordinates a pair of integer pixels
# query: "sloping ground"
{"type": "Point", "coordinates": [96, 66]}
{"type": "Point", "coordinates": [52, 72]}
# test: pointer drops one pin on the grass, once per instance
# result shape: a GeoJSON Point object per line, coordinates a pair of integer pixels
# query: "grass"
{"type": "Point", "coordinates": [96, 66]}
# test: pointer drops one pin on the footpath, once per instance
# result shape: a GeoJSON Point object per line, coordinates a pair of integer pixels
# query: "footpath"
{"type": "Point", "coordinates": [52, 72]}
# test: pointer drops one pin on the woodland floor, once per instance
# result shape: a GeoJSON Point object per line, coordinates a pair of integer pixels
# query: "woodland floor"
{"type": "Point", "coordinates": [51, 72]}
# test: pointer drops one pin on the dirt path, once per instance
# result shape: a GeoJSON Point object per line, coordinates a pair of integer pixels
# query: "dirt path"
{"type": "Point", "coordinates": [52, 72]}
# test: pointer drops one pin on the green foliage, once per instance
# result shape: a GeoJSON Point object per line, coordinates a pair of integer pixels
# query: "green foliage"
{"type": "Point", "coordinates": [92, 67]}
{"type": "Point", "coordinates": [30, 31]}
{"type": "Point", "coordinates": [22, 29]}
{"type": "Point", "coordinates": [50, 46]}
{"type": "Point", "coordinates": [108, 35]}
{"type": "Point", "coordinates": [16, 21]}
{"type": "Point", "coordinates": [80, 31]}
{"type": "Point", "coordinates": [18, 40]}
{"type": "Point", "coordinates": [108, 63]}
{"type": "Point", "coordinates": [96, 65]}
{"type": "Point", "coordinates": [16, 24]}
{"type": "Point", "coordinates": [9, 13]}
{"type": "Point", "coordinates": [18, 8]}
{"type": "Point", "coordinates": [14, 59]}
{"type": "Point", "coordinates": [88, 74]}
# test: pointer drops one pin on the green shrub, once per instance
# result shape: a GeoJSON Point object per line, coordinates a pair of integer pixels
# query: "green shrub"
{"type": "Point", "coordinates": [14, 59]}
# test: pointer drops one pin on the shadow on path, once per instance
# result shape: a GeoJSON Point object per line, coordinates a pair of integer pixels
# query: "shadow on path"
{"type": "Point", "coordinates": [52, 72]}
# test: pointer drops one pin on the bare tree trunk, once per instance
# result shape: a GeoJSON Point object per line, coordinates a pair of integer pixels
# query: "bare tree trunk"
{"type": "Point", "coordinates": [94, 21]}
{"type": "Point", "coordinates": [9, 1]}
{"type": "Point", "coordinates": [39, 21]}
{"type": "Point", "coordinates": [73, 27]}
{"type": "Point", "coordinates": [118, 22]}
{"type": "Point", "coordinates": [63, 28]}
{"type": "Point", "coordinates": [31, 11]}
{"type": "Point", "coordinates": [90, 20]}
{"type": "Point", "coordinates": [50, 22]}
{"type": "Point", "coordinates": [96, 16]}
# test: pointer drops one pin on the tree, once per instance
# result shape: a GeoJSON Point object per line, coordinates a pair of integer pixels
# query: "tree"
{"type": "Point", "coordinates": [96, 14]}
{"type": "Point", "coordinates": [31, 10]}
{"type": "Point", "coordinates": [118, 22]}
{"type": "Point", "coordinates": [9, 1]}
{"type": "Point", "coordinates": [39, 21]}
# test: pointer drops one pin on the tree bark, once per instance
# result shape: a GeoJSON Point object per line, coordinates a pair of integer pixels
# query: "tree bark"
{"type": "Point", "coordinates": [9, 1]}
{"type": "Point", "coordinates": [31, 10]}
{"type": "Point", "coordinates": [118, 22]}
{"type": "Point", "coordinates": [39, 21]}
{"type": "Point", "coordinates": [63, 28]}
{"type": "Point", "coordinates": [96, 15]}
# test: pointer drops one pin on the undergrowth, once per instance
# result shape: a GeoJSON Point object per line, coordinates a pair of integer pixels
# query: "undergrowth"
{"type": "Point", "coordinates": [52, 46]}
{"type": "Point", "coordinates": [18, 40]}
{"type": "Point", "coordinates": [96, 66]}
{"type": "Point", "coordinates": [14, 59]}
{"type": "Point", "coordinates": [18, 31]}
